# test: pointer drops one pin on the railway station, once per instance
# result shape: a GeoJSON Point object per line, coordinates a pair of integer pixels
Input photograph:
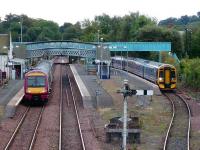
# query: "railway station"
{"type": "Point", "coordinates": [94, 93]}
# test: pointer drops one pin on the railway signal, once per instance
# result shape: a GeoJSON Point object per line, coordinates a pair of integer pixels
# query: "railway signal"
{"type": "Point", "coordinates": [127, 91]}
{"type": "Point", "coordinates": [131, 92]}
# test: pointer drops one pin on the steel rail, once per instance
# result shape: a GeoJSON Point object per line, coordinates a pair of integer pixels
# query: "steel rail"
{"type": "Point", "coordinates": [60, 115]}
{"type": "Point", "coordinates": [77, 116]}
{"type": "Point", "coordinates": [67, 94]}
{"type": "Point", "coordinates": [172, 119]}
{"type": "Point", "coordinates": [189, 122]}
{"type": "Point", "coordinates": [170, 125]}
{"type": "Point", "coordinates": [36, 128]}
{"type": "Point", "coordinates": [67, 98]}
{"type": "Point", "coordinates": [17, 129]}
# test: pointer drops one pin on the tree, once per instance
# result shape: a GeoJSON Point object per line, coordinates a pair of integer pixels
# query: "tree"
{"type": "Point", "coordinates": [198, 14]}
{"type": "Point", "coordinates": [195, 45]}
{"type": "Point", "coordinates": [113, 34]}
{"type": "Point", "coordinates": [169, 22]}
{"type": "Point", "coordinates": [49, 30]}
{"type": "Point", "coordinates": [90, 31]}
{"type": "Point", "coordinates": [104, 23]}
{"type": "Point", "coordinates": [116, 28]}
{"type": "Point", "coordinates": [33, 33]}
{"type": "Point", "coordinates": [70, 31]}
{"type": "Point", "coordinates": [159, 34]}
{"type": "Point", "coordinates": [182, 21]}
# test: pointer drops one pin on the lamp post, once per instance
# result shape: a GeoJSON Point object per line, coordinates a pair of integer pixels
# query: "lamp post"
{"type": "Point", "coordinates": [121, 59]}
{"type": "Point", "coordinates": [21, 23]}
{"type": "Point", "coordinates": [126, 60]}
{"type": "Point", "coordinates": [7, 61]}
{"type": "Point", "coordinates": [101, 50]}
{"type": "Point", "coordinates": [3, 60]}
{"type": "Point", "coordinates": [98, 36]}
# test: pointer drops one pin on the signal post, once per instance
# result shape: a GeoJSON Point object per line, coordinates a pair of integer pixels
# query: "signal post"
{"type": "Point", "coordinates": [127, 91]}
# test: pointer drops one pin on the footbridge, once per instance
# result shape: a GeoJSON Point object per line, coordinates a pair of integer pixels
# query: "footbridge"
{"type": "Point", "coordinates": [89, 50]}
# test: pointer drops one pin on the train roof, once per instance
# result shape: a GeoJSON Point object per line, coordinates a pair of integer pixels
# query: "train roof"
{"type": "Point", "coordinates": [151, 63]}
{"type": "Point", "coordinates": [148, 62]}
{"type": "Point", "coordinates": [35, 73]}
{"type": "Point", "coordinates": [43, 66]}
{"type": "Point", "coordinates": [144, 62]}
{"type": "Point", "coordinates": [118, 58]}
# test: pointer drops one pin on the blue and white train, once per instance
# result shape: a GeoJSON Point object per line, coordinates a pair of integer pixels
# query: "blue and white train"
{"type": "Point", "coordinates": [159, 73]}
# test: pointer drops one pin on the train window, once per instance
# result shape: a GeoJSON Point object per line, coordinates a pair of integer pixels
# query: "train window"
{"type": "Point", "coordinates": [161, 74]}
{"type": "Point", "coordinates": [37, 81]}
{"type": "Point", "coordinates": [173, 74]}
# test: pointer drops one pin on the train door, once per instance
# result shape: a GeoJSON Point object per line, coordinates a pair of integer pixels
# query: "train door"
{"type": "Point", "coordinates": [17, 71]}
{"type": "Point", "coordinates": [167, 77]}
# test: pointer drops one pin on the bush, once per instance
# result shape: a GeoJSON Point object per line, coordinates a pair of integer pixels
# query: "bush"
{"type": "Point", "coordinates": [190, 72]}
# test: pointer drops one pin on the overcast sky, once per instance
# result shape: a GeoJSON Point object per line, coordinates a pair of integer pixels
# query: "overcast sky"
{"type": "Point", "coordinates": [72, 11]}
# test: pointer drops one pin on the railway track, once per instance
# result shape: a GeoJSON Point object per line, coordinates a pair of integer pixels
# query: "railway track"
{"type": "Point", "coordinates": [177, 137]}
{"type": "Point", "coordinates": [25, 133]}
{"type": "Point", "coordinates": [70, 136]}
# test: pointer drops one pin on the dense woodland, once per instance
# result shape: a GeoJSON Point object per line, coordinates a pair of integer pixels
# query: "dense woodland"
{"type": "Point", "coordinates": [183, 33]}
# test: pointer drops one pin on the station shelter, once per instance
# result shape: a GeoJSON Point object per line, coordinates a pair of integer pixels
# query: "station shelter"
{"type": "Point", "coordinates": [103, 61]}
{"type": "Point", "coordinates": [17, 68]}
{"type": "Point", "coordinates": [103, 69]}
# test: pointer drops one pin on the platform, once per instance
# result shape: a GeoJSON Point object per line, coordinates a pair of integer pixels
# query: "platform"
{"type": "Point", "coordinates": [136, 82]}
{"type": "Point", "coordinates": [92, 93]}
{"type": "Point", "coordinates": [14, 102]}
{"type": "Point", "coordinates": [7, 92]}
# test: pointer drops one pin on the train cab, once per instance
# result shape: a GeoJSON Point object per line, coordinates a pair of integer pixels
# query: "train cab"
{"type": "Point", "coordinates": [37, 83]}
{"type": "Point", "coordinates": [36, 86]}
{"type": "Point", "coordinates": [167, 77]}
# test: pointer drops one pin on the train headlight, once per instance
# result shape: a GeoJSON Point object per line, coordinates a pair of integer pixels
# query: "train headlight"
{"type": "Point", "coordinates": [43, 91]}
{"type": "Point", "coordinates": [160, 79]}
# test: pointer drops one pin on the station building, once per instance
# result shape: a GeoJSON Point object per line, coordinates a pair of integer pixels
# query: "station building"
{"type": "Point", "coordinates": [4, 69]}
{"type": "Point", "coordinates": [12, 63]}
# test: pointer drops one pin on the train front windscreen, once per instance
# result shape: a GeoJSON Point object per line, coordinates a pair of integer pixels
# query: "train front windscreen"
{"type": "Point", "coordinates": [36, 81]}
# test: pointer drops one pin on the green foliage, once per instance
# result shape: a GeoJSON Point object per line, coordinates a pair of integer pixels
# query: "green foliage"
{"type": "Point", "coordinates": [190, 70]}
{"type": "Point", "coordinates": [159, 34]}
{"type": "Point", "coordinates": [70, 31]}
{"type": "Point", "coordinates": [48, 30]}
{"type": "Point", "coordinates": [90, 30]}
{"type": "Point", "coordinates": [131, 27]}
{"type": "Point", "coordinates": [183, 20]}
{"type": "Point", "coordinates": [116, 28]}
{"type": "Point", "coordinates": [190, 26]}
{"type": "Point", "coordinates": [195, 45]}
{"type": "Point", "coordinates": [33, 33]}
{"type": "Point", "coordinates": [33, 29]}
